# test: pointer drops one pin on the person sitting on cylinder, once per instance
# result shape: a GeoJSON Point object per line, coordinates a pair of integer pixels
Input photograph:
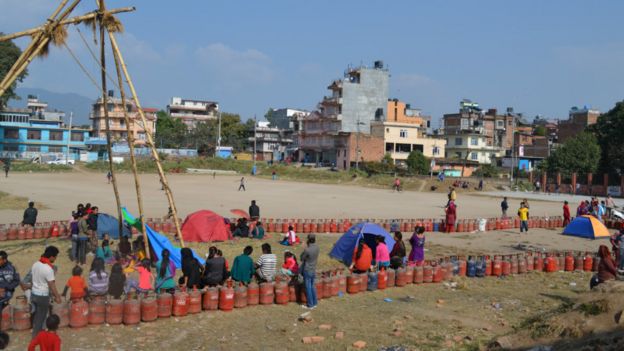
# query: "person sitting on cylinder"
{"type": "Point", "coordinates": [606, 268]}
{"type": "Point", "coordinates": [362, 258]}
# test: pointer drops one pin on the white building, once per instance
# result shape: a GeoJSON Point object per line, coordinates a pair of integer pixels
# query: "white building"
{"type": "Point", "coordinates": [472, 147]}
{"type": "Point", "coordinates": [192, 111]}
{"type": "Point", "coordinates": [271, 143]}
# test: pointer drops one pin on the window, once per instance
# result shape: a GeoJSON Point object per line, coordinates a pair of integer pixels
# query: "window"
{"type": "Point", "coordinates": [474, 141]}
{"type": "Point", "coordinates": [55, 149]}
{"type": "Point", "coordinates": [11, 133]}
{"type": "Point", "coordinates": [458, 155]}
{"type": "Point", "coordinates": [465, 123]}
{"type": "Point", "coordinates": [122, 123]}
{"type": "Point", "coordinates": [344, 153]}
{"type": "Point", "coordinates": [11, 147]}
{"type": "Point", "coordinates": [406, 148]}
{"type": "Point", "coordinates": [110, 107]}
{"type": "Point", "coordinates": [77, 136]}
{"type": "Point", "coordinates": [389, 147]}
{"type": "Point", "coordinates": [141, 136]}
{"type": "Point", "coordinates": [474, 156]}
{"type": "Point", "coordinates": [33, 148]}
{"type": "Point", "coordinates": [56, 135]}
{"type": "Point", "coordinates": [34, 135]}
{"type": "Point", "coordinates": [403, 133]}
{"type": "Point", "coordinates": [436, 150]}
{"type": "Point", "coordinates": [500, 124]}
{"type": "Point", "coordinates": [458, 141]}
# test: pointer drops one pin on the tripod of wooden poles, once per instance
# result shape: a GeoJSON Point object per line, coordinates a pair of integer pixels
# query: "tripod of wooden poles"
{"type": "Point", "coordinates": [54, 31]}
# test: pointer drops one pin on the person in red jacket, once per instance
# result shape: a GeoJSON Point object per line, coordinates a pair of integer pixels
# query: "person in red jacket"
{"type": "Point", "coordinates": [47, 340]}
{"type": "Point", "coordinates": [566, 213]}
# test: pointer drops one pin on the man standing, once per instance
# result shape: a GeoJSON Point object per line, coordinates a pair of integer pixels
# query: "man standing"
{"type": "Point", "coordinates": [266, 264]}
{"type": "Point", "coordinates": [504, 207]}
{"type": "Point", "coordinates": [242, 184]}
{"type": "Point", "coordinates": [254, 211]}
{"type": "Point", "coordinates": [7, 168]}
{"type": "Point", "coordinates": [9, 280]}
{"type": "Point", "coordinates": [309, 257]}
{"type": "Point", "coordinates": [566, 213]}
{"type": "Point", "coordinates": [43, 284]}
{"type": "Point", "coordinates": [92, 223]}
{"type": "Point", "coordinates": [30, 215]}
{"type": "Point", "coordinates": [523, 213]}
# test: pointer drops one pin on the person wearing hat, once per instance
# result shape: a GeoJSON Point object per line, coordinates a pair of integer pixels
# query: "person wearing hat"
{"type": "Point", "coordinates": [309, 258]}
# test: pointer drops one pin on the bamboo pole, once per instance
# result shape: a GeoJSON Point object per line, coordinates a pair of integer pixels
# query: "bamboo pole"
{"type": "Point", "coordinates": [137, 183]}
{"type": "Point", "coordinates": [107, 118]}
{"type": "Point", "coordinates": [36, 45]}
{"type": "Point", "coordinates": [150, 139]}
{"type": "Point", "coordinates": [72, 20]}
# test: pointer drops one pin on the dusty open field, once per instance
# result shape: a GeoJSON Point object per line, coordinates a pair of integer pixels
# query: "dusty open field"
{"type": "Point", "coordinates": [428, 317]}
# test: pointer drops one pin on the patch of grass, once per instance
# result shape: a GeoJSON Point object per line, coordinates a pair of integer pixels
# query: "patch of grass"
{"type": "Point", "coordinates": [39, 168]}
{"type": "Point", "coordinates": [12, 202]}
{"type": "Point", "coordinates": [594, 308]}
{"type": "Point", "coordinates": [540, 325]}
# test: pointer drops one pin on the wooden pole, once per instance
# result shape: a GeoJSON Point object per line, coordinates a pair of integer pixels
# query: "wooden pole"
{"type": "Point", "coordinates": [72, 20]}
{"type": "Point", "coordinates": [137, 183]}
{"type": "Point", "coordinates": [150, 139]}
{"type": "Point", "coordinates": [107, 118]}
{"type": "Point", "coordinates": [36, 45]}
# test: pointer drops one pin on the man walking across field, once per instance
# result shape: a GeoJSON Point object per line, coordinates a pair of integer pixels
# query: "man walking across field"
{"type": "Point", "coordinates": [523, 213]}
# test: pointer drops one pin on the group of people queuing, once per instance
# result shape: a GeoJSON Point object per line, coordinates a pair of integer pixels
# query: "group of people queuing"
{"type": "Point", "coordinates": [83, 231]}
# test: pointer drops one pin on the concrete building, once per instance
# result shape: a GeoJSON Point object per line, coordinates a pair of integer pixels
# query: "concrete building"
{"type": "Point", "coordinates": [405, 130]}
{"type": "Point", "coordinates": [117, 120]}
{"type": "Point", "coordinates": [579, 119]}
{"type": "Point", "coordinates": [272, 144]}
{"type": "Point", "coordinates": [288, 118]}
{"type": "Point", "coordinates": [192, 112]}
{"type": "Point", "coordinates": [36, 133]}
{"type": "Point", "coordinates": [472, 146]}
{"type": "Point", "coordinates": [356, 100]}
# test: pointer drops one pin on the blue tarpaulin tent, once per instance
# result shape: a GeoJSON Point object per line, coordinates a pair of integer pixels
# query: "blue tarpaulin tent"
{"type": "Point", "coordinates": [343, 248]}
{"type": "Point", "coordinates": [107, 224]}
{"type": "Point", "coordinates": [159, 242]}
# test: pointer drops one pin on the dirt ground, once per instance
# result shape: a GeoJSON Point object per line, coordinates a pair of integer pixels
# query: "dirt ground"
{"type": "Point", "coordinates": [425, 317]}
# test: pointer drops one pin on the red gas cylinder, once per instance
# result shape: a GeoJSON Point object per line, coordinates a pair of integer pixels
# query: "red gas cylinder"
{"type": "Point", "coordinates": [401, 277]}
{"type": "Point", "coordinates": [299, 226]}
{"type": "Point", "coordinates": [61, 310]}
{"type": "Point", "coordinates": [578, 262]}
{"type": "Point", "coordinates": [54, 230]}
{"type": "Point", "coordinates": [266, 294]}
{"type": "Point", "coordinates": [560, 261]}
{"type": "Point", "coordinates": [334, 285]}
{"type": "Point", "coordinates": [516, 222]}
{"type": "Point", "coordinates": [346, 224]}
{"type": "Point", "coordinates": [324, 227]}
{"type": "Point", "coordinates": [253, 294]}
{"type": "Point", "coordinates": [513, 260]}
{"type": "Point", "coordinates": [281, 293]}
{"type": "Point", "coordinates": [333, 227]}
{"type": "Point", "coordinates": [569, 262]}
{"type": "Point", "coordinates": [164, 302]}
{"type": "Point", "coordinates": [391, 277]}
{"type": "Point", "coordinates": [327, 292]}
{"type": "Point", "coordinates": [114, 312]}
{"type": "Point", "coordinates": [195, 301]}
{"type": "Point", "coordinates": [488, 266]}
{"type": "Point", "coordinates": [180, 304]}
{"type": "Point", "coordinates": [538, 262]}
{"type": "Point", "coordinates": [522, 264]}
{"type": "Point", "coordinates": [285, 225]}
{"type": "Point", "coordinates": [210, 300]}
{"type": "Point", "coordinates": [78, 314]}
{"type": "Point", "coordinates": [342, 283]}
{"type": "Point", "coordinates": [314, 227]}
{"type": "Point", "coordinates": [363, 282]}
{"type": "Point", "coordinates": [353, 283]}
{"type": "Point", "coordinates": [97, 311]}
{"type": "Point", "coordinates": [38, 234]}
{"type": "Point", "coordinates": [240, 296]}
{"type": "Point", "coordinates": [427, 273]}
{"type": "Point", "coordinates": [306, 226]}
{"type": "Point", "coordinates": [149, 309]}
{"type": "Point", "coordinates": [506, 266]}
{"type": "Point", "coordinates": [460, 226]}
{"type": "Point", "coordinates": [551, 264]}
{"type": "Point", "coordinates": [438, 273]}
{"type": "Point", "coordinates": [226, 298]}
{"type": "Point", "coordinates": [21, 318]}
{"type": "Point", "coordinates": [7, 318]}
{"type": "Point", "coordinates": [292, 292]}
{"type": "Point", "coordinates": [462, 265]}
{"type": "Point", "coordinates": [497, 267]}
{"type": "Point", "coordinates": [132, 312]}
{"type": "Point", "coordinates": [409, 274]}
{"type": "Point", "coordinates": [418, 275]}
{"type": "Point", "coordinates": [382, 279]}
{"type": "Point", "coordinates": [340, 227]}
{"type": "Point", "coordinates": [271, 226]}
{"type": "Point", "coordinates": [499, 224]}
{"type": "Point", "coordinates": [318, 284]}
{"type": "Point", "coordinates": [12, 233]}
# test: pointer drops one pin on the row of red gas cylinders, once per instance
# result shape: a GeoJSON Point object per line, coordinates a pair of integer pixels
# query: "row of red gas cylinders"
{"type": "Point", "coordinates": [39, 231]}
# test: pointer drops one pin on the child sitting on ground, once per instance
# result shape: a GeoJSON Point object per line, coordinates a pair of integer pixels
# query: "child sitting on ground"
{"type": "Point", "coordinates": [47, 340]}
{"type": "Point", "coordinates": [104, 252]}
{"type": "Point", "coordinates": [290, 266]}
{"type": "Point", "coordinates": [76, 284]}
{"type": "Point", "coordinates": [290, 238]}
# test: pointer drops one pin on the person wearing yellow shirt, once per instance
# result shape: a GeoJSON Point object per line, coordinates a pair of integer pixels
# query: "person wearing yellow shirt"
{"type": "Point", "coordinates": [523, 213]}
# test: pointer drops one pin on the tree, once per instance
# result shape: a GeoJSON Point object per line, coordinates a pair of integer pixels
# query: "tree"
{"type": "Point", "coordinates": [417, 162]}
{"type": "Point", "coordinates": [9, 53]}
{"type": "Point", "coordinates": [539, 131]}
{"type": "Point", "coordinates": [580, 154]}
{"type": "Point", "coordinates": [170, 132]}
{"type": "Point", "coordinates": [269, 116]}
{"type": "Point", "coordinates": [609, 131]}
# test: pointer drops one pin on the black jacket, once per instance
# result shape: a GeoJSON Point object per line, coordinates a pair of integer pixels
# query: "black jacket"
{"type": "Point", "coordinates": [9, 280]}
{"type": "Point", "coordinates": [30, 216]}
{"type": "Point", "coordinates": [92, 221]}
{"type": "Point", "coordinates": [214, 271]}
{"type": "Point", "coordinates": [191, 270]}
{"type": "Point", "coordinates": [254, 211]}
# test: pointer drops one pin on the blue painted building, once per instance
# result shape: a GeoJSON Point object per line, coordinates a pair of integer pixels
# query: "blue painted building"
{"type": "Point", "coordinates": [28, 134]}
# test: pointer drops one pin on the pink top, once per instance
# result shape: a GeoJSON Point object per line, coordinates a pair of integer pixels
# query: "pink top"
{"type": "Point", "coordinates": [291, 265]}
{"type": "Point", "coordinates": [382, 254]}
{"type": "Point", "coordinates": [145, 282]}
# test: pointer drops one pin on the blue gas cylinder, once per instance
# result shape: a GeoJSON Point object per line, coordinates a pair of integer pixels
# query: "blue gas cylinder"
{"type": "Point", "coordinates": [471, 270]}
{"type": "Point", "coordinates": [480, 267]}
{"type": "Point", "coordinates": [372, 281]}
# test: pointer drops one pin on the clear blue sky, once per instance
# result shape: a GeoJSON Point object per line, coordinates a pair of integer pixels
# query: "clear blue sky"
{"type": "Point", "coordinates": [541, 57]}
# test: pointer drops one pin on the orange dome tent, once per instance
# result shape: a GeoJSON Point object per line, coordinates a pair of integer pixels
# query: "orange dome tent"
{"type": "Point", "coordinates": [203, 226]}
